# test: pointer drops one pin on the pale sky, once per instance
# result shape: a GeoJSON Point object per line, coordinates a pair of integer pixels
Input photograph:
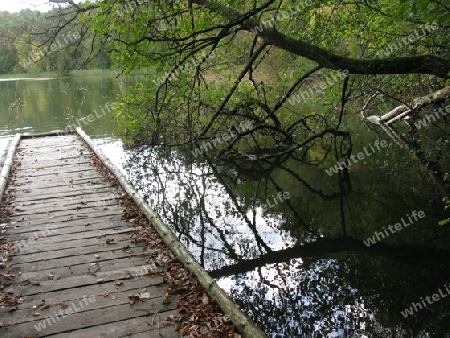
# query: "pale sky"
{"type": "Point", "coordinates": [17, 5]}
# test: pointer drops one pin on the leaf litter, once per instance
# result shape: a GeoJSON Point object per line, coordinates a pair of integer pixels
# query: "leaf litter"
{"type": "Point", "coordinates": [199, 315]}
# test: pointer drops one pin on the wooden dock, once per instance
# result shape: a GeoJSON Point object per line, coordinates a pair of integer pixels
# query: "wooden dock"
{"type": "Point", "coordinates": [75, 266]}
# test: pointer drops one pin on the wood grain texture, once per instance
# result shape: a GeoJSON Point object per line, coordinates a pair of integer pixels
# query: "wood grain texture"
{"type": "Point", "coordinates": [66, 222]}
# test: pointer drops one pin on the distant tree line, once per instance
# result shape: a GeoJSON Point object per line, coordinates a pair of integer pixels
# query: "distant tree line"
{"type": "Point", "coordinates": [27, 45]}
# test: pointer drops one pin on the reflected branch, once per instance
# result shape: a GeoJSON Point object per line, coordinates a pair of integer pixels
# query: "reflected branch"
{"type": "Point", "coordinates": [326, 246]}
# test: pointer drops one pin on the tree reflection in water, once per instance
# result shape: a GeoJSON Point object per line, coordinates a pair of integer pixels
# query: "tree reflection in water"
{"type": "Point", "coordinates": [300, 268]}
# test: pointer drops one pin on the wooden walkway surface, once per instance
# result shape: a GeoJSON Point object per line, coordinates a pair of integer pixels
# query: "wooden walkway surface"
{"type": "Point", "coordinates": [76, 260]}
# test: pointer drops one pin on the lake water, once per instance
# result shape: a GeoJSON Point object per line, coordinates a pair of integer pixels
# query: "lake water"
{"type": "Point", "coordinates": [283, 239]}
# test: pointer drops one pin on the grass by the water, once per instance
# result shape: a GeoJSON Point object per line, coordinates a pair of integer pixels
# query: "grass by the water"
{"type": "Point", "coordinates": [80, 72]}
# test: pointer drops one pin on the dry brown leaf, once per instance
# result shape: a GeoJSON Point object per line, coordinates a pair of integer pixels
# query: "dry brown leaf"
{"type": "Point", "coordinates": [29, 335]}
{"type": "Point", "coordinates": [184, 331]}
{"type": "Point", "coordinates": [93, 268]}
{"type": "Point", "coordinates": [52, 276]}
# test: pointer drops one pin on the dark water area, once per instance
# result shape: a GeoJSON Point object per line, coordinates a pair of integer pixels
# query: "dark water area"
{"type": "Point", "coordinates": [299, 267]}
{"type": "Point", "coordinates": [283, 238]}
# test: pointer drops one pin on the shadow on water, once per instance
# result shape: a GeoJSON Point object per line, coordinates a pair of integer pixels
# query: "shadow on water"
{"type": "Point", "coordinates": [297, 262]}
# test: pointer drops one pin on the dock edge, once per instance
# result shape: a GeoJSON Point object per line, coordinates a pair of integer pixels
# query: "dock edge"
{"type": "Point", "coordinates": [243, 323]}
{"type": "Point", "coordinates": [7, 166]}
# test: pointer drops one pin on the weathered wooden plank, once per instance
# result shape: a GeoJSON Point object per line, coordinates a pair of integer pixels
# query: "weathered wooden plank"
{"type": "Point", "coordinates": [76, 276]}
{"type": "Point", "coordinates": [66, 191]}
{"type": "Point", "coordinates": [63, 226]}
{"type": "Point", "coordinates": [48, 143]}
{"type": "Point", "coordinates": [30, 243]}
{"type": "Point", "coordinates": [78, 203]}
{"type": "Point", "coordinates": [80, 186]}
{"type": "Point", "coordinates": [118, 281]}
{"type": "Point", "coordinates": [89, 175]}
{"type": "Point", "coordinates": [63, 213]}
{"type": "Point", "coordinates": [47, 228]}
{"type": "Point", "coordinates": [69, 252]}
{"type": "Point", "coordinates": [68, 261]}
{"type": "Point", "coordinates": [116, 290]}
{"type": "Point", "coordinates": [50, 150]}
{"type": "Point", "coordinates": [128, 328]}
{"type": "Point", "coordinates": [72, 154]}
{"type": "Point", "coordinates": [71, 200]}
{"type": "Point", "coordinates": [116, 269]}
{"type": "Point", "coordinates": [74, 195]}
{"type": "Point", "coordinates": [60, 244]}
{"type": "Point", "coordinates": [25, 190]}
{"type": "Point", "coordinates": [41, 238]}
{"type": "Point", "coordinates": [56, 155]}
{"type": "Point", "coordinates": [36, 169]}
{"type": "Point", "coordinates": [155, 333]}
{"type": "Point", "coordinates": [109, 219]}
{"type": "Point", "coordinates": [83, 317]}
{"type": "Point", "coordinates": [86, 235]}
{"type": "Point", "coordinates": [50, 140]}
{"type": "Point", "coordinates": [55, 172]}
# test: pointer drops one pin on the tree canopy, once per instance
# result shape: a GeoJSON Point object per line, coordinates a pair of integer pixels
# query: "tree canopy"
{"type": "Point", "coordinates": [276, 75]}
{"type": "Point", "coordinates": [26, 40]}
{"type": "Point", "coordinates": [212, 64]}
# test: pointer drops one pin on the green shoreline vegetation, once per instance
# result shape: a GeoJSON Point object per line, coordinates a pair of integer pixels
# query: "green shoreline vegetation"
{"type": "Point", "coordinates": [80, 72]}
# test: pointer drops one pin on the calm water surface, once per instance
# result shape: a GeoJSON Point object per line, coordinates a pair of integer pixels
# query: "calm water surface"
{"type": "Point", "coordinates": [296, 265]}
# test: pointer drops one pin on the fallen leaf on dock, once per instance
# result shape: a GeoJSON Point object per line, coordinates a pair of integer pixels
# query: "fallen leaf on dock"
{"type": "Point", "coordinates": [93, 268]}
{"type": "Point", "coordinates": [52, 276]}
{"type": "Point", "coordinates": [29, 335]}
{"type": "Point", "coordinates": [32, 282]}
{"type": "Point", "coordinates": [139, 296]}
{"type": "Point", "coordinates": [48, 306]}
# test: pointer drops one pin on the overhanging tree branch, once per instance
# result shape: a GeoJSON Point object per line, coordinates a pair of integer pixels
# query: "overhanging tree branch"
{"type": "Point", "coordinates": [422, 64]}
